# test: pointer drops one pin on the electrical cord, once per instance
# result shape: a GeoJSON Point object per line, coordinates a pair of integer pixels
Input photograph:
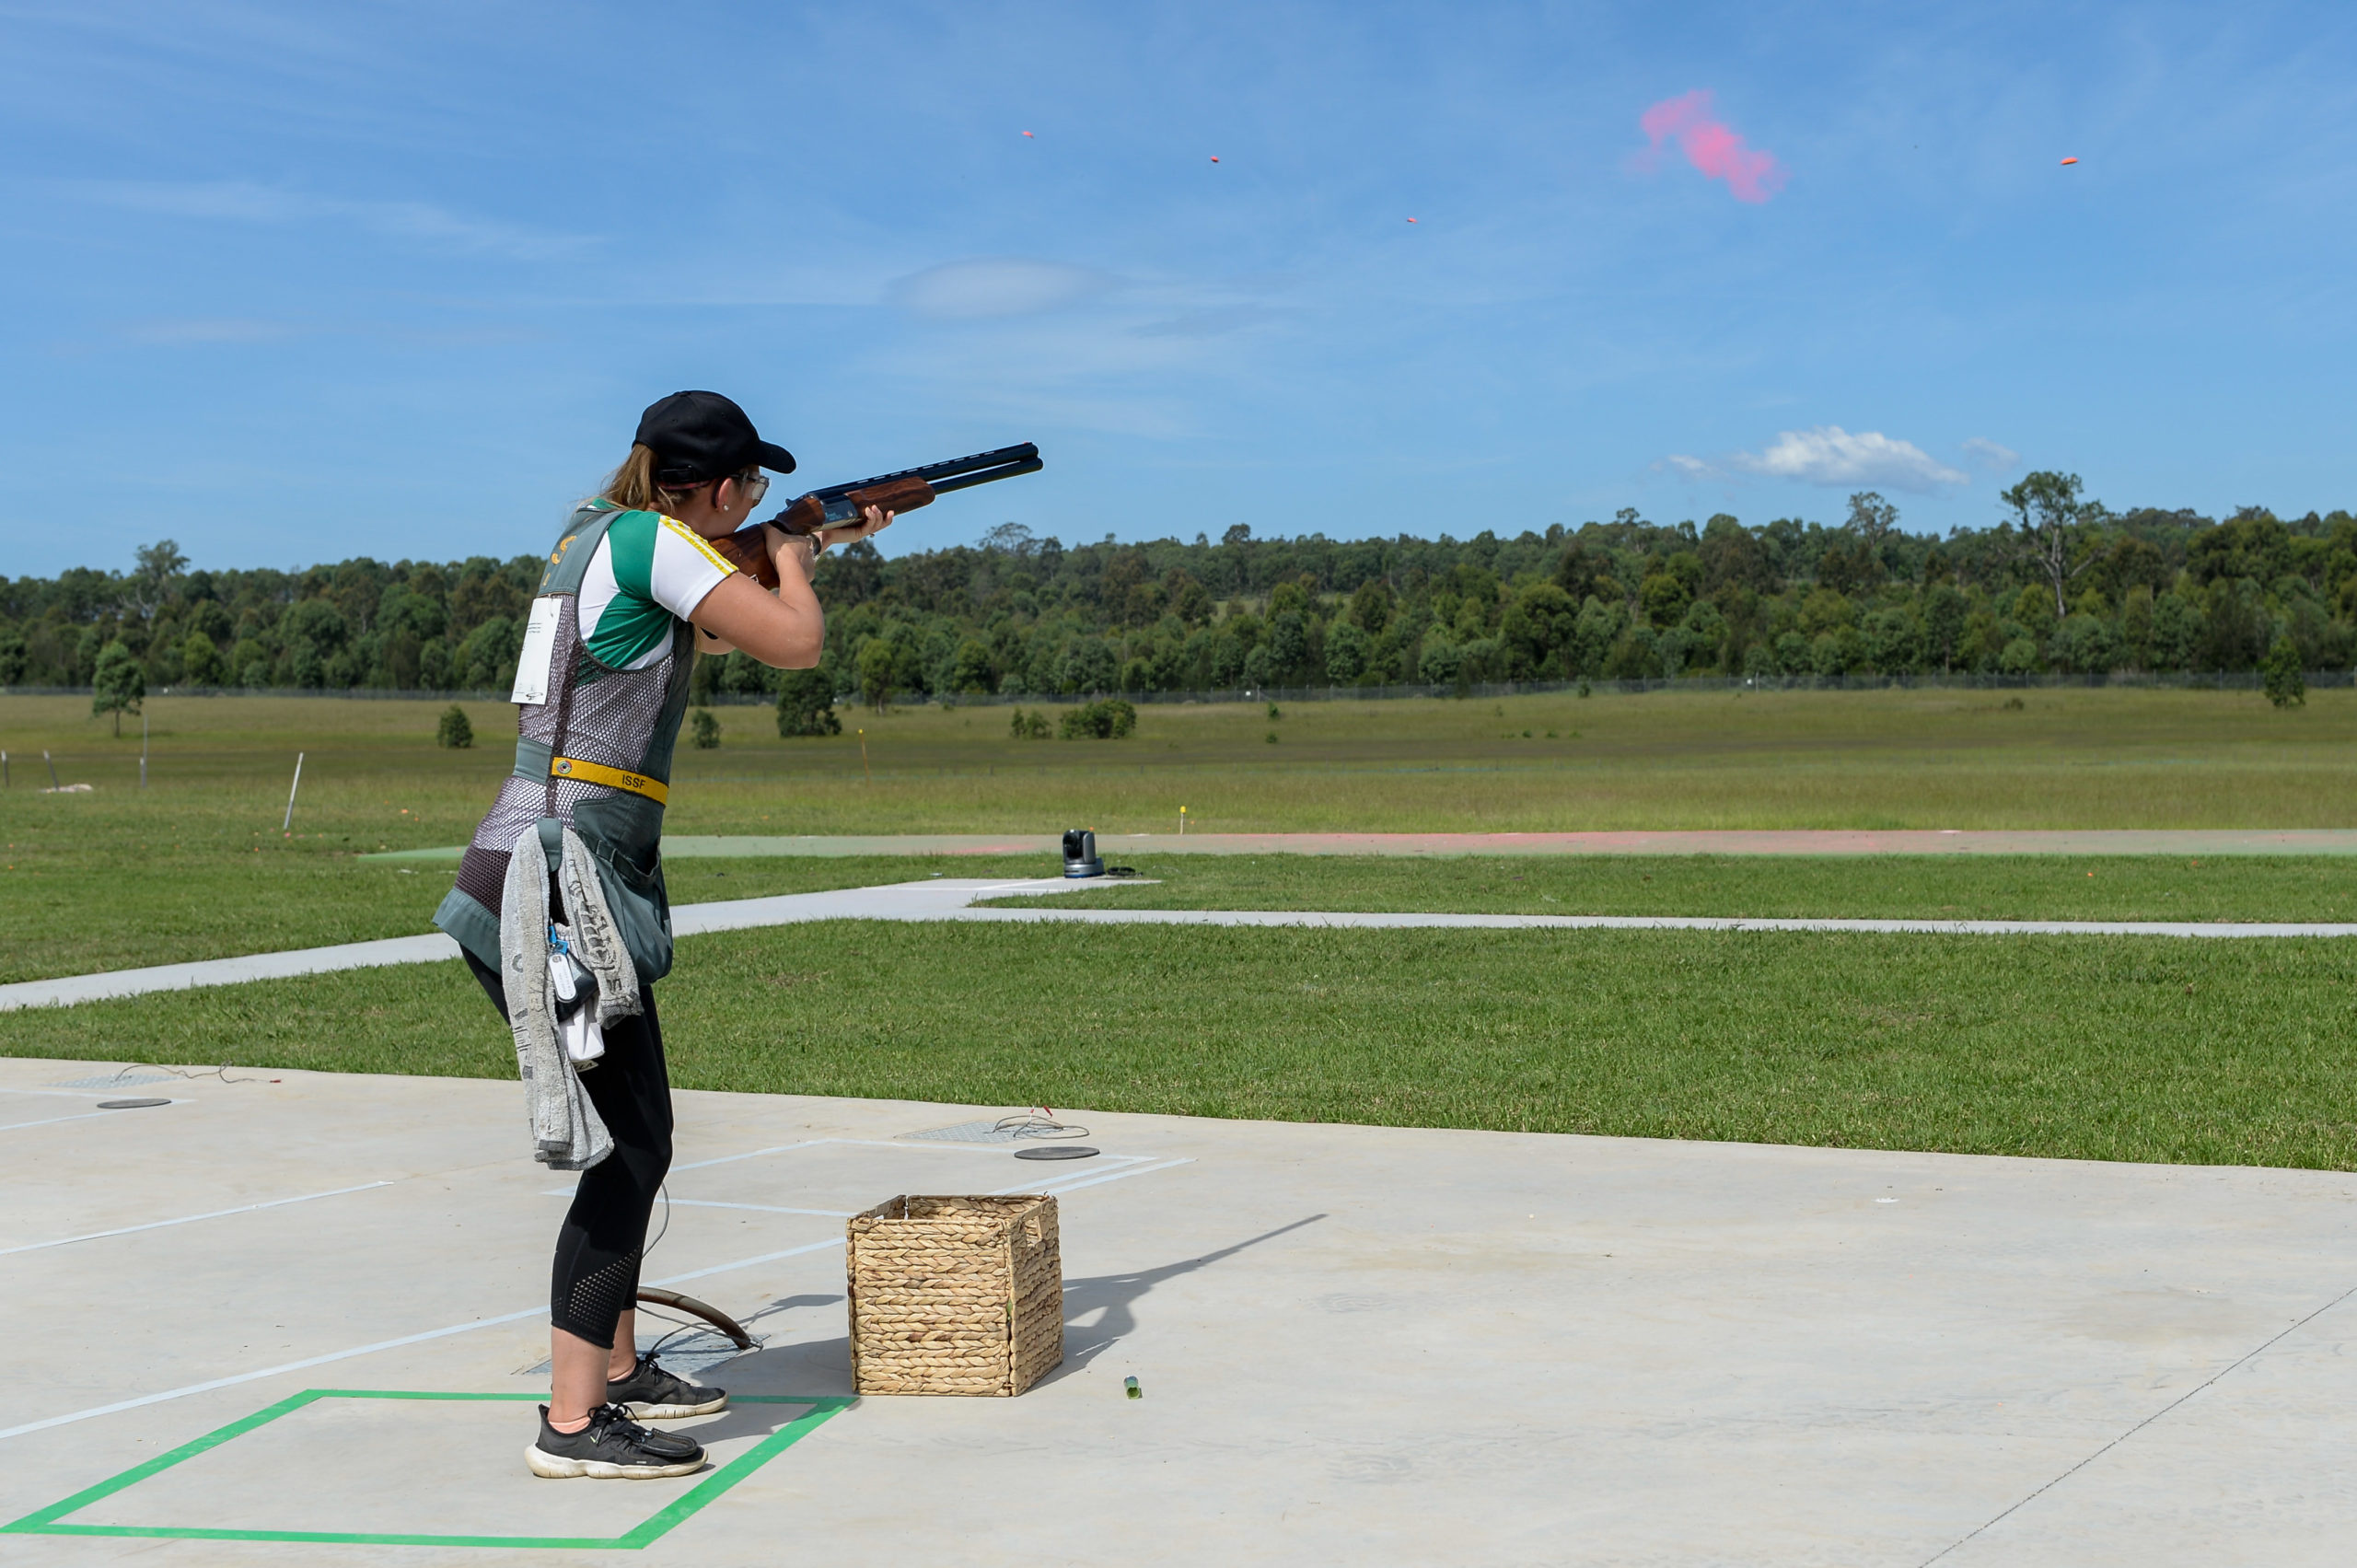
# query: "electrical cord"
{"type": "Point", "coordinates": [1039, 1123]}
{"type": "Point", "coordinates": [221, 1072]}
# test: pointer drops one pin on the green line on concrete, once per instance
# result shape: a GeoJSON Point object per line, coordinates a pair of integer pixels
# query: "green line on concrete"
{"type": "Point", "coordinates": [47, 1521]}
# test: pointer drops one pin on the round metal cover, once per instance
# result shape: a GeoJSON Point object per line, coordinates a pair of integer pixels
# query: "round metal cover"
{"type": "Point", "coordinates": [1056, 1152]}
{"type": "Point", "coordinates": [130, 1103]}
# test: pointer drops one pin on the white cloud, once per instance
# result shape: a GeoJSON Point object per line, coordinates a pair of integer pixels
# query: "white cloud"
{"type": "Point", "coordinates": [995, 285]}
{"type": "Point", "coordinates": [235, 201]}
{"type": "Point", "coordinates": [1988, 455]}
{"type": "Point", "coordinates": [1832, 456]}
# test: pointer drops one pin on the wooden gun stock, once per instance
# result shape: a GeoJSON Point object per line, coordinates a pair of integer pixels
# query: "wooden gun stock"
{"type": "Point", "coordinates": [745, 551]}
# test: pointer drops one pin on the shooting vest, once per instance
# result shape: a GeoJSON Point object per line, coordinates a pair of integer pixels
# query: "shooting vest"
{"type": "Point", "coordinates": [596, 755]}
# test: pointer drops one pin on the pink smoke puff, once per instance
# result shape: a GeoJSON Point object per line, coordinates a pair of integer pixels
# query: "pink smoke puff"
{"type": "Point", "coordinates": [1712, 146]}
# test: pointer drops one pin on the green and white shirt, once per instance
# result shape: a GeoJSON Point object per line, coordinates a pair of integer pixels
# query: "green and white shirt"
{"type": "Point", "coordinates": [648, 569]}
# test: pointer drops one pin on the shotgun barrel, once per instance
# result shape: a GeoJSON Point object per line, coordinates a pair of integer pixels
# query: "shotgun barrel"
{"type": "Point", "coordinates": [839, 505]}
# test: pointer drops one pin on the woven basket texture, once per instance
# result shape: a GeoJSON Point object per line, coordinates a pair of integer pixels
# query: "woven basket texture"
{"type": "Point", "coordinates": [955, 1295]}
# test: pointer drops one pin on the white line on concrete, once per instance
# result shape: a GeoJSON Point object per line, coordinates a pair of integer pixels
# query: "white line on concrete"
{"type": "Point", "coordinates": [1060, 1188]}
{"type": "Point", "coordinates": [741, 1263]}
{"type": "Point", "coordinates": [371, 1349]}
{"type": "Point", "coordinates": [80, 1116]}
{"type": "Point", "coordinates": [752, 1154]}
{"type": "Point", "coordinates": [237, 1378]}
{"type": "Point", "coordinates": [59, 1094]}
{"type": "Point", "coordinates": [189, 1219]}
{"type": "Point", "coordinates": [712, 1203]}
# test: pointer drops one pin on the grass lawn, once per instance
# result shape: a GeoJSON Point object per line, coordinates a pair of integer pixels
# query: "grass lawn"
{"type": "Point", "coordinates": [2133, 1048]}
{"type": "Point", "coordinates": [2029, 887]}
{"type": "Point", "coordinates": [196, 865]}
{"type": "Point", "coordinates": [2114, 1048]}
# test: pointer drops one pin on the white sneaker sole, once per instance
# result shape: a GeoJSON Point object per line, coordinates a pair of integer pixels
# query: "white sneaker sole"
{"type": "Point", "coordinates": [556, 1467]}
{"type": "Point", "coordinates": [640, 1410]}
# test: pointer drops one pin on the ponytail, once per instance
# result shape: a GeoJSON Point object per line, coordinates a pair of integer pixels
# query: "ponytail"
{"type": "Point", "coordinates": [632, 486]}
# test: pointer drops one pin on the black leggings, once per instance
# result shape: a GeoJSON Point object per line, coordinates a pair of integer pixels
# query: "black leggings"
{"type": "Point", "coordinates": [598, 1251]}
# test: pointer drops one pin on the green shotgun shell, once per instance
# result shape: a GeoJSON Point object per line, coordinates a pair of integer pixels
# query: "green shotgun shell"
{"type": "Point", "coordinates": [1131, 1385]}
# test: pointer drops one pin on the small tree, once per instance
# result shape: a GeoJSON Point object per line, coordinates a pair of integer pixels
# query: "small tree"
{"type": "Point", "coordinates": [704, 730]}
{"type": "Point", "coordinates": [805, 703]}
{"type": "Point", "coordinates": [2286, 686]}
{"type": "Point", "coordinates": [1028, 726]}
{"type": "Point", "coordinates": [454, 731]}
{"type": "Point", "coordinates": [118, 685]}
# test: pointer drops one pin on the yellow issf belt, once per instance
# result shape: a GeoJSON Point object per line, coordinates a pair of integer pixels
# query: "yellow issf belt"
{"type": "Point", "coordinates": [655, 790]}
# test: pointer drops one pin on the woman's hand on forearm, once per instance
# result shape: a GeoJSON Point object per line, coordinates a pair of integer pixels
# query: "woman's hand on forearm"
{"type": "Point", "coordinates": [875, 521]}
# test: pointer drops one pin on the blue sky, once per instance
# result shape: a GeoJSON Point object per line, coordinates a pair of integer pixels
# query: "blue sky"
{"type": "Point", "coordinates": [293, 282]}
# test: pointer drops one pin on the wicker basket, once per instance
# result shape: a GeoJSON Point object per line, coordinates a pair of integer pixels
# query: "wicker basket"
{"type": "Point", "coordinates": [955, 1295]}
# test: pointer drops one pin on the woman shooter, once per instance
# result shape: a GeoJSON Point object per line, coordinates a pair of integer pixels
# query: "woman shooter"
{"type": "Point", "coordinates": [633, 589]}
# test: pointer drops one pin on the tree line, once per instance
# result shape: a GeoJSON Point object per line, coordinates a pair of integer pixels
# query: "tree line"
{"type": "Point", "coordinates": [2059, 584]}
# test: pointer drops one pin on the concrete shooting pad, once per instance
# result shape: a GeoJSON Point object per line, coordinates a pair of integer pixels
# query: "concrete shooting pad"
{"type": "Point", "coordinates": [300, 1318]}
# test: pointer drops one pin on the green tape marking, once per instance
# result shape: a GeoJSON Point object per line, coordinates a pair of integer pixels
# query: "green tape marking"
{"type": "Point", "coordinates": [49, 1520]}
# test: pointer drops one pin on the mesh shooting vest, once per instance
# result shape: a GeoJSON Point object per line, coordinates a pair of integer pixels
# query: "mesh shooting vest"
{"type": "Point", "coordinates": [596, 755]}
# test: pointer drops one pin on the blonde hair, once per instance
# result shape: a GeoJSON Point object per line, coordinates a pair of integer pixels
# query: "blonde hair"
{"type": "Point", "coordinates": [632, 486]}
{"type": "Point", "coordinates": [635, 487]}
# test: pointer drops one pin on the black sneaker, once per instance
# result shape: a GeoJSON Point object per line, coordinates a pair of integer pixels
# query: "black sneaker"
{"type": "Point", "coordinates": [649, 1393]}
{"type": "Point", "coordinates": [612, 1448]}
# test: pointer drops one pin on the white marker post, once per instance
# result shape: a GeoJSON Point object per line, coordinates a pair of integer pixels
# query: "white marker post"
{"type": "Point", "coordinates": [289, 824]}
{"type": "Point", "coordinates": [1182, 821]}
{"type": "Point", "coordinates": [53, 769]}
{"type": "Point", "coordinates": [142, 750]}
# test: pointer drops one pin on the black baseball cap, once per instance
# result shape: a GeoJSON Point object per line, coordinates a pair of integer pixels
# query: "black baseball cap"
{"type": "Point", "coordinates": [698, 436]}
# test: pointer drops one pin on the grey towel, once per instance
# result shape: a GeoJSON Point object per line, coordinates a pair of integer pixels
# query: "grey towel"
{"type": "Point", "coordinates": [567, 1133]}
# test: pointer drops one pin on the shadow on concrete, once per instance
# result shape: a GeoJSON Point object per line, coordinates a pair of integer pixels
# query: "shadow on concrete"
{"type": "Point", "coordinates": [823, 1366]}
{"type": "Point", "coordinates": [1114, 1295]}
{"type": "Point", "coordinates": [807, 1366]}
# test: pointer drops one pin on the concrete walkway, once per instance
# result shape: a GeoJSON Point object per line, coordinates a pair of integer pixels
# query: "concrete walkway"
{"type": "Point", "coordinates": [944, 899]}
{"type": "Point", "coordinates": [1368, 1345]}
{"type": "Point", "coordinates": [1913, 840]}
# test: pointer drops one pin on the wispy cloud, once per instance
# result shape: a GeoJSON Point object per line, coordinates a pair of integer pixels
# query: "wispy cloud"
{"type": "Point", "coordinates": [1711, 145]}
{"type": "Point", "coordinates": [235, 201]}
{"type": "Point", "coordinates": [1832, 456]}
{"type": "Point", "coordinates": [987, 287]}
{"type": "Point", "coordinates": [1990, 457]}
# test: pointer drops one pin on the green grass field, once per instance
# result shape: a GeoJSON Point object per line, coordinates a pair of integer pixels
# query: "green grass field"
{"type": "Point", "coordinates": [2092, 1048]}
{"type": "Point", "coordinates": [2225, 887]}
{"type": "Point", "coordinates": [2134, 1049]}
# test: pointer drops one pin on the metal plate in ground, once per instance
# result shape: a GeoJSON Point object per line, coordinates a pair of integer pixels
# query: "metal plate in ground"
{"type": "Point", "coordinates": [130, 1103]}
{"type": "Point", "coordinates": [1056, 1152]}
{"type": "Point", "coordinates": [965, 1133]}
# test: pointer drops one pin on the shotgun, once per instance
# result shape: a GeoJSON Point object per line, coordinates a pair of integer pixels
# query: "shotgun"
{"type": "Point", "coordinates": [841, 503]}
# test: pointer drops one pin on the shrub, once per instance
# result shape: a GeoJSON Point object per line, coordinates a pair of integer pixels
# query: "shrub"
{"type": "Point", "coordinates": [805, 703]}
{"type": "Point", "coordinates": [453, 730]}
{"type": "Point", "coordinates": [2286, 686]}
{"type": "Point", "coordinates": [1110, 719]}
{"type": "Point", "coordinates": [1029, 726]}
{"type": "Point", "coordinates": [704, 730]}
